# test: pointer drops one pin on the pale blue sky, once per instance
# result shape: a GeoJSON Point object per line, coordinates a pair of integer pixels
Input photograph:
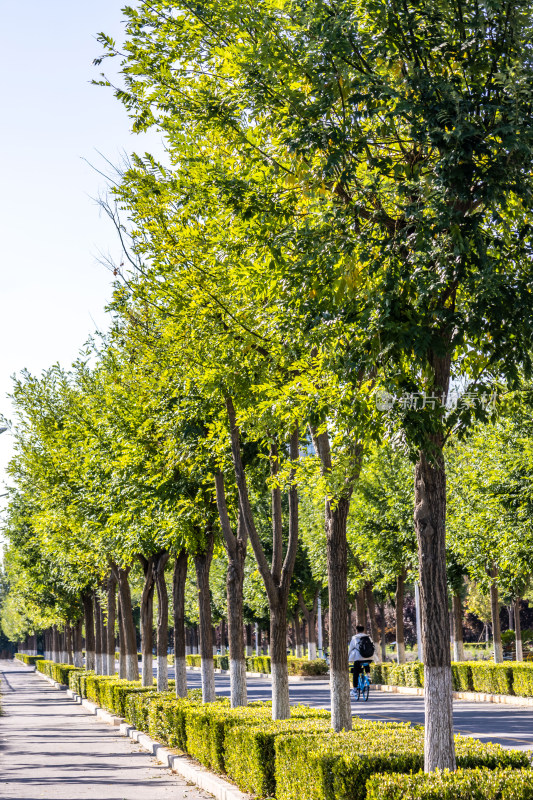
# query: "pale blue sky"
{"type": "Point", "coordinates": [51, 230]}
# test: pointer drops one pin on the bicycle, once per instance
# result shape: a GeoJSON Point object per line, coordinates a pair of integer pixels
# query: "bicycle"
{"type": "Point", "coordinates": [363, 686]}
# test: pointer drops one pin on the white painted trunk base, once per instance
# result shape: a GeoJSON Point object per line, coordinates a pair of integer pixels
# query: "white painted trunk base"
{"type": "Point", "coordinates": [280, 691]}
{"type": "Point", "coordinates": [132, 667]}
{"type": "Point", "coordinates": [458, 651]}
{"type": "Point", "coordinates": [299, 651]}
{"type": "Point", "coordinates": [162, 674]}
{"type": "Point", "coordinates": [439, 748]}
{"type": "Point", "coordinates": [249, 650]}
{"type": "Point", "coordinates": [110, 663]}
{"type": "Point", "coordinates": [147, 670]}
{"type": "Point", "coordinates": [498, 653]}
{"type": "Point", "coordinates": [519, 650]}
{"type": "Point", "coordinates": [89, 660]}
{"type": "Point", "coordinates": [78, 659]}
{"type": "Point", "coordinates": [237, 677]}
{"type": "Point", "coordinates": [341, 708]}
{"type": "Point", "coordinates": [222, 650]}
{"type": "Point", "coordinates": [311, 653]}
{"type": "Point", "coordinates": [207, 672]}
{"type": "Point", "coordinates": [180, 667]}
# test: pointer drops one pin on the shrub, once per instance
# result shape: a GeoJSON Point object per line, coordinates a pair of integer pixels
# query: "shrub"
{"type": "Point", "coordinates": [462, 677]}
{"type": "Point", "coordinates": [492, 678]}
{"type": "Point", "coordinates": [258, 664]}
{"type": "Point", "coordinates": [193, 660]}
{"type": "Point", "coordinates": [302, 666]}
{"type": "Point", "coordinates": [250, 753]}
{"type": "Point", "coordinates": [58, 672]}
{"type": "Point", "coordinates": [29, 660]}
{"type": "Point", "coordinates": [476, 784]}
{"type": "Point", "coordinates": [523, 679]}
{"type": "Point", "coordinates": [335, 766]}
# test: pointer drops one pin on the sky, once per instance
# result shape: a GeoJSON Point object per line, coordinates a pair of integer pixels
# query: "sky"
{"type": "Point", "coordinates": [53, 289]}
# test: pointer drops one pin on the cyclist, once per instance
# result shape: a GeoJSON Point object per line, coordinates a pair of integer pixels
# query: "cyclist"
{"type": "Point", "coordinates": [360, 650]}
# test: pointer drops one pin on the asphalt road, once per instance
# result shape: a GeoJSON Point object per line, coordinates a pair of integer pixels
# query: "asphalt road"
{"type": "Point", "coordinates": [510, 726]}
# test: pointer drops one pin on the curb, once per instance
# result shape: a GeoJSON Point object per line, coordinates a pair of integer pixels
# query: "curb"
{"type": "Point", "coordinates": [471, 697]}
{"type": "Point", "coordinates": [179, 763]}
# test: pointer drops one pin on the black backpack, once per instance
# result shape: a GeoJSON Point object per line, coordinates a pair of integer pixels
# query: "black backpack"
{"type": "Point", "coordinates": [366, 646]}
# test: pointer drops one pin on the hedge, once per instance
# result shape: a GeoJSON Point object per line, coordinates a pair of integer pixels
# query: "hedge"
{"type": "Point", "coordinates": [337, 766]}
{"type": "Point", "coordinates": [512, 678]}
{"type": "Point", "coordinates": [58, 672]}
{"type": "Point", "coordinates": [296, 666]}
{"type": "Point", "coordinates": [475, 784]}
{"type": "Point", "coordinates": [26, 659]}
{"type": "Point", "coordinates": [295, 758]}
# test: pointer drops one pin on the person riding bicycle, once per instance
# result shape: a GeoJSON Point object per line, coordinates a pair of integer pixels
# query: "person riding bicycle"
{"type": "Point", "coordinates": [360, 650]}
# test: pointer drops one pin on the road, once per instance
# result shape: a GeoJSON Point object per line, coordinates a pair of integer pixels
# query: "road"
{"type": "Point", "coordinates": [52, 748]}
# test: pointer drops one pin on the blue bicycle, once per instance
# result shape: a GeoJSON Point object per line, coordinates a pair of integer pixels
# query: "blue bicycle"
{"type": "Point", "coordinates": [363, 686]}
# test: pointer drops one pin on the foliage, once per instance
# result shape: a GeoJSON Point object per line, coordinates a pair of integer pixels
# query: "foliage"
{"type": "Point", "coordinates": [465, 784]}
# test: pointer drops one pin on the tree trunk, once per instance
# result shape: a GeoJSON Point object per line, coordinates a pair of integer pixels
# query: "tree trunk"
{"type": "Point", "coordinates": [77, 644]}
{"type": "Point", "coordinates": [147, 622]}
{"type": "Point", "coordinates": [430, 519]}
{"type": "Point", "coordinates": [110, 627]}
{"type": "Point", "coordinates": [298, 635]}
{"type": "Point", "coordinates": [510, 613]}
{"type": "Point", "coordinates": [310, 616]}
{"type": "Point", "coordinates": [234, 593]}
{"type": "Point", "coordinates": [458, 646]}
{"type": "Point", "coordinates": [178, 602]}
{"type": "Point", "coordinates": [400, 639]}
{"type": "Point", "coordinates": [222, 637]}
{"type": "Point", "coordinates": [121, 645]}
{"type": "Point", "coordinates": [249, 648]}
{"type": "Point", "coordinates": [68, 645]}
{"type": "Point", "coordinates": [383, 633]}
{"type": "Point", "coordinates": [495, 615]}
{"type": "Point", "coordinates": [518, 630]}
{"type": "Point", "coordinates": [360, 610]}
{"type": "Point", "coordinates": [160, 562]}
{"type": "Point", "coordinates": [89, 631]}
{"type": "Point", "coordinates": [98, 636]}
{"type": "Point", "coordinates": [278, 655]}
{"type": "Point", "coordinates": [202, 563]}
{"type": "Point", "coordinates": [374, 630]}
{"type": "Point", "coordinates": [337, 559]}
{"type": "Point", "coordinates": [128, 635]}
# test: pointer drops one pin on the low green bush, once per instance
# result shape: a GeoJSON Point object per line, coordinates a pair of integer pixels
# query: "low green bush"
{"type": "Point", "coordinates": [193, 660]}
{"type": "Point", "coordinates": [28, 660]}
{"type": "Point", "coordinates": [492, 678]}
{"type": "Point", "coordinates": [249, 753]}
{"type": "Point", "coordinates": [302, 666]}
{"type": "Point", "coordinates": [335, 766]}
{"type": "Point", "coordinates": [258, 664]}
{"type": "Point", "coordinates": [523, 679]}
{"type": "Point", "coordinates": [58, 672]}
{"type": "Point", "coordinates": [475, 784]}
{"type": "Point", "coordinates": [462, 676]}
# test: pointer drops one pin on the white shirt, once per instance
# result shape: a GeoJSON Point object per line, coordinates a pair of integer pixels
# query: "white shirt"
{"type": "Point", "coordinates": [353, 648]}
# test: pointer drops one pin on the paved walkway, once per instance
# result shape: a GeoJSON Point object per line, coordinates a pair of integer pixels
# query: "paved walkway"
{"type": "Point", "coordinates": [52, 748]}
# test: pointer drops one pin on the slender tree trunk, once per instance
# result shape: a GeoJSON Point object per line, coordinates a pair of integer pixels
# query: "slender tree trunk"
{"type": "Point", "coordinates": [178, 602]}
{"type": "Point", "coordinates": [458, 646]}
{"type": "Point", "coordinates": [337, 560]}
{"type": "Point", "coordinates": [430, 519]}
{"type": "Point", "coordinates": [128, 625]}
{"type": "Point", "coordinates": [518, 630]}
{"type": "Point", "coordinates": [89, 631]}
{"type": "Point", "coordinates": [310, 616]}
{"type": "Point", "coordinates": [222, 637]}
{"type": "Point", "coordinates": [298, 635]}
{"type": "Point", "coordinates": [495, 615]}
{"type": "Point", "coordinates": [510, 613]}
{"type": "Point", "coordinates": [360, 609]}
{"type": "Point", "coordinates": [121, 644]}
{"type": "Point", "coordinates": [110, 628]}
{"type": "Point", "coordinates": [147, 622]}
{"type": "Point", "coordinates": [98, 636]}
{"type": "Point", "coordinates": [374, 630]}
{"type": "Point", "coordinates": [69, 643]}
{"type": "Point", "coordinates": [400, 638]}
{"type": "Point", "coordinates": [383, 633]}
{"type": "Point", "coordinates": [77, 644]}
{"type": "Point", "coordinates": [160, 562]}
{"type": "Point", "coordinates": [234, 593]}
{"type": "Point", "coordinates": [202, 563]}
{"type": "Point", "coordinates": [249, 648]}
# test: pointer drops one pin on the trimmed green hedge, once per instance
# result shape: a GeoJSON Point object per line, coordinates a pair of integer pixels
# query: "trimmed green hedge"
{"type": "Point", "coordinates": [296, 666]}
{"type": "Point", "coordinates": [29, 660]}
{"type": "Point", "coordinates": [476, 784]}
{"type": "Point", "coordinates": [295, 758]}
{"type": "Point", "coordinates": [335, 766]}
{"type": "Point", "coordinates": [58, 672]}
{"type": "Point", "coordinates": [513, 678]}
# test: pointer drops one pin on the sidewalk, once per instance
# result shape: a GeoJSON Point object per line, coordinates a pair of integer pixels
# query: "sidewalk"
{"type": "Point", "coordinates": [51, 748]}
